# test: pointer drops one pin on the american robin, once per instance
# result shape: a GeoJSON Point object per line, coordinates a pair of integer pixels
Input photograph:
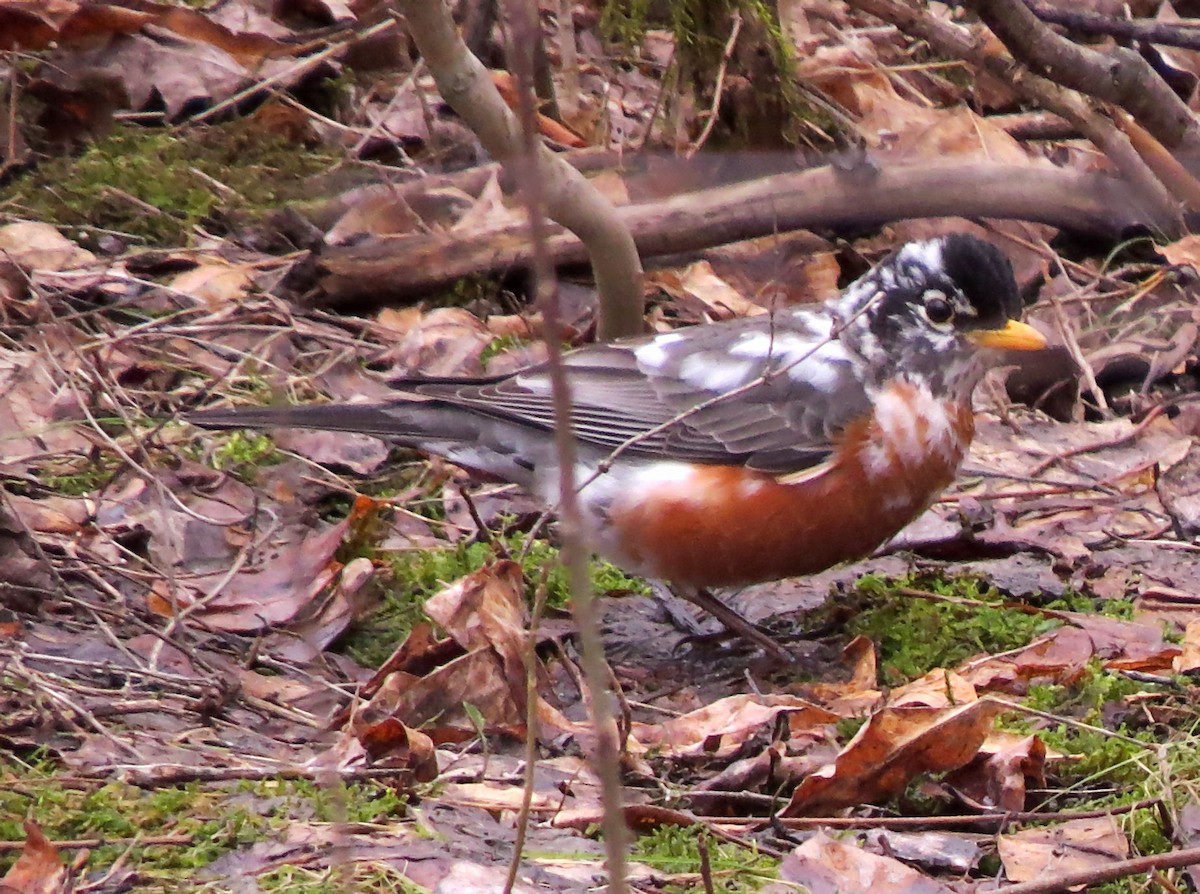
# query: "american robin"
{"type": "Point", "coordinates": [741, 451]}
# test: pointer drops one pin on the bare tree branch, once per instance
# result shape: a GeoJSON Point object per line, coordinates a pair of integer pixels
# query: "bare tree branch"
{"type": "Point", "coordinates": [1185, 33]}
{"type": "Point", "coordinates": [570, 200]}
{"type": "Point", "coordinates": [524, 38]}
{"type": "Point", "coordinates": [1117, 75]}
{"type": "Point", "coordinates": [954, 41]}
{"type": "Point", "coordinates": [400, 267]}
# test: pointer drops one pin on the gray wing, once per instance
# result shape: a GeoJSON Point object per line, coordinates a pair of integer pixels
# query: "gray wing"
{"type": "Point", "coordinates": [769, 393]}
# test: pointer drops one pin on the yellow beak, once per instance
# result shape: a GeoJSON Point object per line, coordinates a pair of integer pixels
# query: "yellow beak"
{"type": "Point", "coordinates": [1015, 336]}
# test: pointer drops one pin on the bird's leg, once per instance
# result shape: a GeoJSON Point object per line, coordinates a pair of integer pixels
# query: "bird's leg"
{"type": "Point", "coordinates": [734, 622]}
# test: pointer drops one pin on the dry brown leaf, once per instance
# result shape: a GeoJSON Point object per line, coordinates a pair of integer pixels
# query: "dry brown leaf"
{"type": "Point", "coordinates": [164, 54]}
{"type": "Point", "coordinates": [34, 24]}
{"type": "Point", "coordinates": [893, 747]}
{"type": "Point", "coordinates": [1183, 251]}
{"type": "Point", "coordinates": [721, 727]}
{"type": "Point", "coordinates": [495, 796]}
{"type": "Point", "coordinates": [515, 325]}
{"type": "Point", "coordinates": [51, 514]}
{"type": "Point", "coordinates": [39, 869]}
{"type": "Point", "coordinates": [770, 771]}
{"type": "Point", "coordinates": [486, 610]}
{"type": "Point", "coordinates": [362, 454]}
{"type": "Point", "coordinates": [1126, 645]}
{"type": "Point", "coordinates": [1060, 656]}
{"type": "Point", "coordinates": [377, 213]}
{"type": "Point", "coordinates": [1050, 851]}
{"type": "Point", "coordinates": [488, 211]}
{"type": "Point", "coordinates": [823, 865]}
{"type": "Point", "coordinates": [39, 246]}
{"type": "Point", "coordinates": [390, 743]}
{"type": "Point", "coordinates": [1189, 659]}
{"type": "Point", "coordinates": [857, 696]}
{"type": "Point", "coordinates": [698, 281]}
{"type": "Point", "coordinates": [998, 776]}
{"type": "Point", "coordinates": [447, 341]}
{"type": "Point", "coordinates": [216, 283]}
{"type": "Point", "coordinates": [399, 320]}
{"type": "Point", "coordinates": [284, 587]}
{"type": "Point", "coordinates": [940, 852]}
{"type": "Point", "coordinates": [434, 702]}
{"type": "Point", "coordinates": [611, 184]}
{"type": "Point", "coordinates": [861, 652]}
{"type": "Point", "coordinates": [484, 613]}
{"type": "Point", "coordinates": [940, 688]}
{"type": "Point", "coordinates": [30, 413]}
{"type": "Point", "coordinates": [547, 127]}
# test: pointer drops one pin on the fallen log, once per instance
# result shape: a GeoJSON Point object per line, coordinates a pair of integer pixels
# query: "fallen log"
{"type": "Point", "coordinates": [401, 268]}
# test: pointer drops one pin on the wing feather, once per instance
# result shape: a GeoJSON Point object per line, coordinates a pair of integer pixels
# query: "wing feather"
{"type": "Point", "coordinates": [665, 393]}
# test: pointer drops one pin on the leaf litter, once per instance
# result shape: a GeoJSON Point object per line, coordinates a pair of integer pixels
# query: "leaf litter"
{"type": "Point", "coordinates": [175, 603]}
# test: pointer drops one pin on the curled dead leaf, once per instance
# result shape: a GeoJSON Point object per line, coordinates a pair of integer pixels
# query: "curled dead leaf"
{"type": "Point", "coordinates": [893, 747]}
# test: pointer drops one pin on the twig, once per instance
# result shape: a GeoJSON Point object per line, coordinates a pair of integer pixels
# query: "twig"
{"type": "Point", "coordinates": [1183, 33]}
{"type": "Point", "coordinates": [92, 843]}
{"type": "Point", "coordinates": [1119, 75]}
{"type": "Point", "coordinates": [988, 821]}
{"type": "Point", "coordinates": [569, 198]}
{"type": "Point", "coordinates": [951, 40]}
{"type": "Point", "coordinates": [529, 653]}
{"type": "Point", "coordinates": [814, 198]}
{"type": "Point", "coordinates": [1068, 721]}
{"type": "Point", "coordinates": [718, 92]}
{"type": "Point", "coordinates": [705, 863]}
{"type": "Point", "coordinates": [149, 776]}
{"type": "Point", "coordinates": [1067, 333]}
{"type": "Point", "coordinates": [1034, 126]}
{"type": "Point", "coordinates": [569, 60]}
{"type": "Point", "coordinates": [574, 551]}
{"type": "Point", "coordinates": [1114, 441]}
{"type": "Point", "coordinates": [306, 62]}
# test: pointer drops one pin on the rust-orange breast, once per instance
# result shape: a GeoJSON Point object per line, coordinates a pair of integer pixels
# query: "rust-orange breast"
{"type": "Point", "coordinates": [727, 525]}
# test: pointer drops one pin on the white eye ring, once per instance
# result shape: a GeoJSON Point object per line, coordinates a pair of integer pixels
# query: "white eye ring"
{"type": "Point", "coordinates": [937, 308]}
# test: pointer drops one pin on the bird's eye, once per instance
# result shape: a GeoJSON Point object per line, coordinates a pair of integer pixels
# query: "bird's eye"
{"type": "Point", "coordinates": [937, 308]}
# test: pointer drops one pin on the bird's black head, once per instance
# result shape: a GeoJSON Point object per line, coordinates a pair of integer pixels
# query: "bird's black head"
{"type": "Point", "coordinates": [941, 309]}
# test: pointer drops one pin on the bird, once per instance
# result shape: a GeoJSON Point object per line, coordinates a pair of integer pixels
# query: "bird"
{"type": "Point", "coordinates": [740, 451]}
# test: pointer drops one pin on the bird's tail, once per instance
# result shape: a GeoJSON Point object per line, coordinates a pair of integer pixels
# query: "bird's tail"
{"type": "Point", "coordinates": [403, 423]}
{"type": "Point", "coordinates": [489, 447]}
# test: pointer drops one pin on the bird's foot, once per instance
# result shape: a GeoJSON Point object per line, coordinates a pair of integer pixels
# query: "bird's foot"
{"type": "Point", "coordinates": [733, 622]}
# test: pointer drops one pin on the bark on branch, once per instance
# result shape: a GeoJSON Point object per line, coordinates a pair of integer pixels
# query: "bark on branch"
{"type": "Point", "coordinates": [570, 200]}
{"type": "Point", "coordinates": [402, 267]}
{"type": "Point", "coordinates": [1118, 75]}
{"type": "Point", "coordinates": [954, 41]}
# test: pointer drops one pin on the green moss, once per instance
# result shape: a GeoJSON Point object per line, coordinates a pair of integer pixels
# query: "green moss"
{"type": "Point", "coordinates": [1087, 697]}
{"type": "Point", "coordinates": [916, 635]}
{"type": "Point", "coordinates": [219, 819]}
{"type": "Point", "coordinates": [467, 291]}
{"type": "Point", "coordinates": [156, 186]}
{"type": "Point", "coordinates": [360, 877]}
{"type": "Point", "coordinates": [675, 850]}
{"type": "Point", "coordinates": [243, 453]}
{"type": "Point", "coordinates": [499, 345]}
{"type": "Point", "coordinates": [79, 476]}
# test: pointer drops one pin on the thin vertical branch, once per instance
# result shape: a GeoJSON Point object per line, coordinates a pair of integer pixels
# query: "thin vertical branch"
{"type": "Point", "coordinates": [570, 58]}
{"type": "Point", "coordinates": [569, 199]}
{"type": "Point", "coordinates": [523, 19]}
{"type": "Point", "coordinates": [532, 729]}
